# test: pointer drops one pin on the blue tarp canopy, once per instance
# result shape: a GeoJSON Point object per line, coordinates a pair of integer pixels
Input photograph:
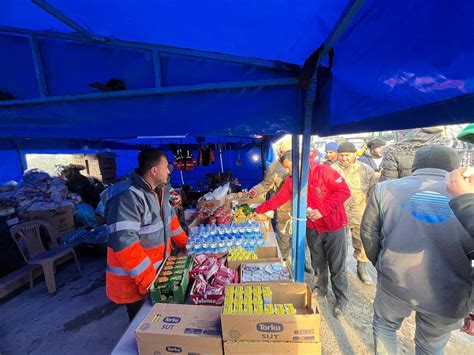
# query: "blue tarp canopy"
{"type": "Point", "coordinates": [231, 68]}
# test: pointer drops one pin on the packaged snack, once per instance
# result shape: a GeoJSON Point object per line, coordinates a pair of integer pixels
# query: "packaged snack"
{"type": "Point", "coordinates": [229, 298]}
{"type": "Point", "coordinates": [238, 309]}
{"type": "Point", "coordinates": [228, 309]}
{"type": "Point", "coordinates": [239, 290]}
{"type": "Point", "coordinates": [230, 290]}
{"type": "Point", "coordinates": [267, 295]}
{"type": "Point", "coordinates": [289, 308]}
{"type": "Point", "coordinates": [248, 299]}
{"type": "Point", "coordinates": [279, 309]}
{"type": "Point", "coordinates": [257, 300]}
{"type": "Point", "coordinates": [268, 309]}
{"type": "Point", "coordinates": [248, 309]}
{"type": "Point", "coordinates": [248, 290]}
{"type": "Point", "coordinates": [238, 299]}
{"type": "Point", "coordinates": [176, 278]}
{"type": "Point", "coordinates": [258, 309]}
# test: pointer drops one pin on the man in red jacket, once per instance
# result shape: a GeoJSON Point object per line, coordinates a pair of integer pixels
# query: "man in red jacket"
{"type": "Point", "coordinates": [327, 192]}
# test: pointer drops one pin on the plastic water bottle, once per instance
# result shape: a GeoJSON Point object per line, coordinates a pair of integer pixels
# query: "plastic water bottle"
{"type": "Point", "coordinates": [221, 245]}
{"type": "Point", "coordinates": [205, 246]}
{"type": "Point", "coordinates": [190, 246]}
{"type": "Point", "coordinates": [197, 247]}
{"type": "Point", "coordinates": [256, 227]}
{"type": "Point", "coordinates": [213, 245]}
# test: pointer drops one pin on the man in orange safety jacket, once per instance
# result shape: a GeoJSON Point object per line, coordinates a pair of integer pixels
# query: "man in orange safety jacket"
{"type": "Point", "coordinates": [142, 225]}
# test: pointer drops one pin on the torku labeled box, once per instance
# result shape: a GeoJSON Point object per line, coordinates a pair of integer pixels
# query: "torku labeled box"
{"type": "Point", "coordinates": [187, 329]}
{"type": "Point", "coordinates": [304, 326]}
{"type": "Point", "coordinates": [266, 347]}
{"type": "Point", "coordinates": [264, 254]}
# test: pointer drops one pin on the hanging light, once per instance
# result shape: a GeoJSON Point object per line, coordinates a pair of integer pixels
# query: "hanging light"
{"type": "Point", "coordinates": [255, 158]}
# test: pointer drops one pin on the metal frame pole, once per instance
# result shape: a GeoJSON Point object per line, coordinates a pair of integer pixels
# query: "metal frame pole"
{"type": "Point", "coordinates": [295, 201]}
{"type": "Point", "coordinates": [38, 62]}
{"type": "Point", "coordinates": [344, 21]}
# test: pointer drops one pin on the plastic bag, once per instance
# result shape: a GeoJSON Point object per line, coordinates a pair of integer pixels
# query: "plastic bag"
{"type": "Point", "coordinates": [84, 215]}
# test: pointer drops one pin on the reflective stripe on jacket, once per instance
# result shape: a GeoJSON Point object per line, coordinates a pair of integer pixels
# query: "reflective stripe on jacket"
{"type": "Point", "coordinates": [141, 225]}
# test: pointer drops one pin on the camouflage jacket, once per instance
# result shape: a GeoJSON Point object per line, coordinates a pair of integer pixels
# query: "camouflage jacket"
{"type": "Point", "coordinates": [361, 180]}
{"type": "Point", "coordinates": [274, 178]}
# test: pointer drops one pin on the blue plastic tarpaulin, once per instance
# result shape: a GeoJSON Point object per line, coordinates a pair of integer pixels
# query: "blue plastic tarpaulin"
{"type": "Point", "coordinates": [230, 68]}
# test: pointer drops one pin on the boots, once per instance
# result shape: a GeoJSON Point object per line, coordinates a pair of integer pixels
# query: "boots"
{"type": "Point", "coordinates": [362, 273]}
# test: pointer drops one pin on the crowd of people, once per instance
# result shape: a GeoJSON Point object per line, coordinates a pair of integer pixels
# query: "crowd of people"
{"type": "Point", "coordinates": [409, 210]}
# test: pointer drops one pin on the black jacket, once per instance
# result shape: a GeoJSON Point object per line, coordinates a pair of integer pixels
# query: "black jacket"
{"type": "Point", "coordinates": [463, 208]}
{"type": "Point", "coordinates": [398, 158]}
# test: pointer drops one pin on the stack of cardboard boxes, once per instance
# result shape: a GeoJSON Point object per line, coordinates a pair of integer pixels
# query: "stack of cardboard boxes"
{"type": "Point", "coordinates": [101, 166]}
{"type": "Point", "coordinates": [191, 329]}
{"type": "Point", "coordinates": [275, 333]}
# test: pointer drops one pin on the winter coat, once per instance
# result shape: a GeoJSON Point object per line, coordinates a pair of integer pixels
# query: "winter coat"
{"type": "Point", "coordinates": [463, 208]}
{"type": "Point", "coordinates": [141, 225]}
{"type": "Point", "coordinates": [327, 192]}
{"type": "Point", "coordinates": [398, 158]}
{"type": "Point", "coordinates": [361, 180]}
{"type": "Point", "coordinates": [274, 178]}
{"type": "Point", "coordinates": [420, 250]}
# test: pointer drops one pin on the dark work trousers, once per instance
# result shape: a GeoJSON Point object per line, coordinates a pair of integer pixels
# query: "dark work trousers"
{"type": "Point", "coordinates": [133, 308]}
{"type": "Point", "coordinates": [329, 250]}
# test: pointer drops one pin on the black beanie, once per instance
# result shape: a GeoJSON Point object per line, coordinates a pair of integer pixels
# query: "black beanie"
{"type": "Point", "coordinates": [347, 147]}
{"type": "Point", "coordinates": [436, 157]}
{"type": "Point", "coordinates": [375, 143]}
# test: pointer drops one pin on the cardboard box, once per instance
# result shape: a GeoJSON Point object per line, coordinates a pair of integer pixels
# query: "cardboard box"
{"type": "Point", "coordinates": [232, 202]}
{"type": "Point", "coordinates": [266, 347]}
{"type": "Point", "coordinates": [61, 219]}
{"type": "Point", "coordinates": [179, 295]}
{"type": "Point", "coordinates": [210, 203]}
{"type": "Point", "coordinates": [264, 254]}
{"type": "Point", "coordinates": [302, 327]}
{"type": "Point", "coordinates": [102, 166]}
{"type": "Point", "coordinates": [186, 329]}
{"type": "Point", "coordinates": [211, 300]}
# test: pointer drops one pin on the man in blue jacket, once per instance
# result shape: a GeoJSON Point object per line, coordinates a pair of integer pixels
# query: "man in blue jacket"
{"type": "Point", "coordinates": [421, 252]}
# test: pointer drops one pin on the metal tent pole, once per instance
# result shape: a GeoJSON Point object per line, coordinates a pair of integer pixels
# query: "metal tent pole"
{"type": "Point", "coordinates": [295, 201]}
{"type": "Point", "coordinates": [343, 22]}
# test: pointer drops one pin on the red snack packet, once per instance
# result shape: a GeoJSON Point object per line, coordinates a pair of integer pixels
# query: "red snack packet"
{"type": "Point", "coordinates": [214, 290]}
{"type": "Point", "coordinates": [200, 286]}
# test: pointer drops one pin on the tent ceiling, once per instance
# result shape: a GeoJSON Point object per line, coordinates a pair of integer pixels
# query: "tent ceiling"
{"type": "Point", "coordinates": [216, 69]}
{"type": "Point", "coordinates": [283, 30]}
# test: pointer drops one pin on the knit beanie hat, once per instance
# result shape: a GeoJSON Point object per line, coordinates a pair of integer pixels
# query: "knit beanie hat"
{"type": "Point", "coordinates": [347, 148]}
{"type": "Point", "coordinates": [436, 157]}
{"type": "Point", "coordinates": [376, 143]}
{"type": "Point", "coordinates": [331, 147]}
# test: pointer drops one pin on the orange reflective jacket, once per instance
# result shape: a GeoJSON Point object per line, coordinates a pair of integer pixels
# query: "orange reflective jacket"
{"type": "Point", "coordinates": [141, 228]}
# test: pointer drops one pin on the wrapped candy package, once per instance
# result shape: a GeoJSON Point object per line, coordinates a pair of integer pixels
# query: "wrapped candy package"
{"type": "Point", "coordinates": [262, 272]}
